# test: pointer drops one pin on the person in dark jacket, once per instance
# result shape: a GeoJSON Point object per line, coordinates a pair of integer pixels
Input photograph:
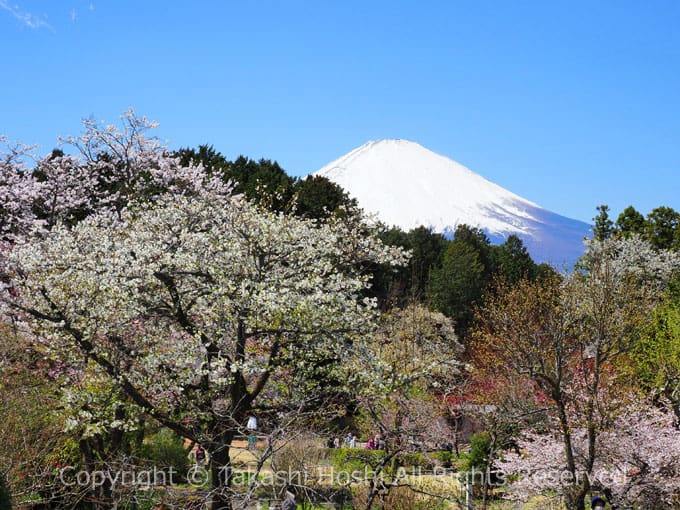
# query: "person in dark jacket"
{"type": "Point", "coordinates": [598, 503]}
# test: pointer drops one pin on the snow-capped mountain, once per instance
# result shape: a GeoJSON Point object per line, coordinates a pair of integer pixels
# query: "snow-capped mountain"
{"type": "Point", "coordinates": [407, 185]}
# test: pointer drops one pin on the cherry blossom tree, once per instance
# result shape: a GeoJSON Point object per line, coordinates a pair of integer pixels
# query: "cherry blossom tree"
{"type": "Point", "coordinates": [64, 189]}
{"type": "Point", "coordinates": [637, 461]}
{"type": "Point", "coordinates": [193, 304]}
{"type": "Point", "coordinates": [402, 374]}
{"type": "Point", "coordinates": [566, 336]}
{"type": "Point", "coordinates": [17, 190]}
{"type": "Point", "coordinates": [112, 166]}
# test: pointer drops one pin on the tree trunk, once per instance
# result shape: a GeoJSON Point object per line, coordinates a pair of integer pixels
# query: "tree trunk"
{"type": "Point", "coordinates": [221, 475]}
{"type": "Point", "coordinates": [101, 497]}
{"type": "Point", "coordinates": [574, 498]}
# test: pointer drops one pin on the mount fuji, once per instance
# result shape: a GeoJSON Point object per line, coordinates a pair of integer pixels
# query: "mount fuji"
{"type": "Point", "coordinates": [406, 185]}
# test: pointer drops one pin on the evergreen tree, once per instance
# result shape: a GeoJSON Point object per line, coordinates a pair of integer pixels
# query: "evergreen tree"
{"type": "Point", "coordinates": [457, 285]}
{"type": "Point", "coordinates": [513, 261]}
{"type": "Point", "coordinates": [603, 225]}
{"type": "Point", "coordinates": [388, 284]}
{"type": "Point", "coordinates": [397, 287]}
{"type": "Point", "coordinates": [263, 182]}
{"type": "Point", "coordinates": [662, 228]}
{"type": "Point", "coordinates": [630, 221]}
{"type": "Point", "coordinates": [478, 240]}
{"type": "Point", "coordinates": [427, 248]}
{"type": "Point", "coordinates": [317, 197]}
{"type": "Point", "coordinates": [211, 159]}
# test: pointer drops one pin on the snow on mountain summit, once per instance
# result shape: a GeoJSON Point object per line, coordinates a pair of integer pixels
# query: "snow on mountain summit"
{"type": "Point", "coordinates": [407, 185]}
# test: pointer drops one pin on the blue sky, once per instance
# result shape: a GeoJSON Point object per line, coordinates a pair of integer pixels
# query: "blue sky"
{"type": "Point", "coordinates": [569, 104]}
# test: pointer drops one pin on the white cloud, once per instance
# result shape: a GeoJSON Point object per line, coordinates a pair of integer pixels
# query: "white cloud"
{"type": "Point", "coordinates": [26, 18]}
{"type": "Point", "coordinates": [74, 15]}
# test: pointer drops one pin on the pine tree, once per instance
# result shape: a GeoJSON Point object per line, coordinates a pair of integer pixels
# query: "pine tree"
{"type": "Point", "coordinates": [318, 198]}
{"type": "Point", "coordinates": [603, 225]}
{"type": "Point", "coordinates": [630, 221]}
{"type": "Point", "coordinates": [663, 224]}
{"type": "Point", "coordinates": [513, 260]}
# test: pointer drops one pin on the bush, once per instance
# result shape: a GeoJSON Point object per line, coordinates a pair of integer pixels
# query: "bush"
{"type": "Point", "coordinates": [416, 460]}
{"type": "Point", "coordinates": [355, 459]}
{"type": "Point", "coordinates": [480, 447]}
{"type": "Point", "coordinates": [477, 459]}
{"type": "Point", "coordinates": [444, 457]}
{"type": "Point", "coordinates": [165, 450]}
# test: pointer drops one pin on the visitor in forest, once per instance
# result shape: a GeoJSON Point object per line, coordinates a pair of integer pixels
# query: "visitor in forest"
{"type": "Point", "coordinates": [200, 456]}
{"type": "Point", "coordinates": [252, 427]}
{"type": "Point", "coordinates": [598, 503]}
{"type": "Point", "coordinates": [380, 443]}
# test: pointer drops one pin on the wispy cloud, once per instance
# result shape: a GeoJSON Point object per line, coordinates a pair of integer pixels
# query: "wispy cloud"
{"type": "Point", "coordinates": [26, 18]}
{"type": "Point", "coordinates": [74, 15]}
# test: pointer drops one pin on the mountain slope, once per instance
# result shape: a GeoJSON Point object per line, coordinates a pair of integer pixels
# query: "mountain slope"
{"type": "Point", "coordinates": [407, 185]}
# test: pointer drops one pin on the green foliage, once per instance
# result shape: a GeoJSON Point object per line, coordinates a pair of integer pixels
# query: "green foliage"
{"type": "Point", "coordinates": [452, 275]}
{"type": "Point", "coordinates": [165, 450]}
{"type": "Point", "coordinates": [480, 450]}
{"type": "Point", "coordinates": [513, 261]}
{"type": "Point", "coordinates": [630, 221]}
{"type": "Point", "coordinates": [657, 353]}
{"type": "Point", "coordinates": [416, 460]}
{"type": "Point", "coordinates": [662, 228]}
{"type": "Point", "coordinates": [31, 428]}
{"type": "Point", "coordinates": [603, 225]}
{"type": "Point", "coordinates": [479, 242]}
{"type": "Point", "coordinates": [427, 249]}
{"type": "Point", "coordinates": [263, 182]}
{"type": "Point", "coordinates": [410, 283]}
{"type": "Point", "coordinates": [317, 197]}
{"type": "Point", "coordinates": [205, 154]}
{"type": "Point", "coordinates": [348, 460]}
{"type": "Point", "coordinates": [457, 285]}
{"type": "Point", "coordinates": [445, 458]}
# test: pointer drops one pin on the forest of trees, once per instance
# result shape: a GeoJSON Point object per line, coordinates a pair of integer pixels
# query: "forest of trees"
{"type": "Point", "coordinates": [154, 300]}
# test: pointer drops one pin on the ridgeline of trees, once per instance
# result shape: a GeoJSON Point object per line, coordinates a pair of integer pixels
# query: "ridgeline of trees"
{"type": "Point", "coordinates": [660, 228]}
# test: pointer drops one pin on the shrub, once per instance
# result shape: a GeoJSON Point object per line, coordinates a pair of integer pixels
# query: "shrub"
{"type": "Point", "coordinates": [165, 450]}
{"type": "Point", "coordinates": [444, 457]}
{"type": "Point", "coordinates": [355, 459]}
{"type": "Point", "coordinates": [480, 447]}
{"type": "Point", "coordinates": [416, 460]}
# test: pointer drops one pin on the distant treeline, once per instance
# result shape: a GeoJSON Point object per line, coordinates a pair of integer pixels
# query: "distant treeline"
{"type": "Point", "coordinates": [661, 227]}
